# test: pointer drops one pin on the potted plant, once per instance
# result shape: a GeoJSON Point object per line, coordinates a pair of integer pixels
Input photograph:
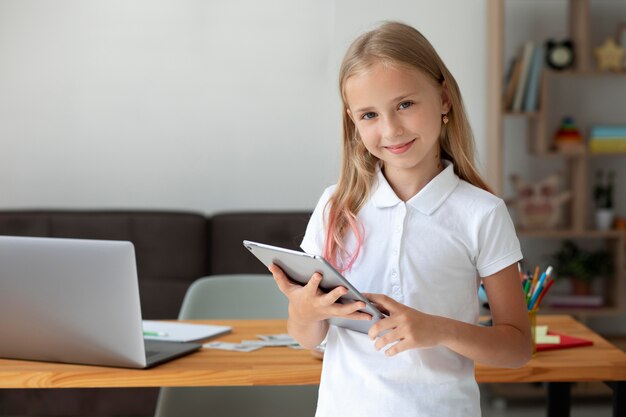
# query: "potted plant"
{"type": "Point", "coordinates": [581, 266]}
{"type": "Point", "coordinates": [603, 199]}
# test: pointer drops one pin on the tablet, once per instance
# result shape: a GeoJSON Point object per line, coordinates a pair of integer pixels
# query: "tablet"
{"type": "Point", "coordinates": [300, 266]}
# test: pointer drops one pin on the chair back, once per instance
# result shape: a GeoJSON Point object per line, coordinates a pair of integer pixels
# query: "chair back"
{"type": "Point", "coordinates": [236, 296]}
{"type": "Point", "coordinates": [240, 296]}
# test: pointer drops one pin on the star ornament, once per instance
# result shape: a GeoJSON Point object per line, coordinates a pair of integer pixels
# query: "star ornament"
{"type": "Point", "coordinates": [610, 55]}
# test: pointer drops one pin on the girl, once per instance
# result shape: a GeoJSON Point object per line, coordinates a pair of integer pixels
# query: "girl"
{"type": "Point", "coordinates": [411, 222]}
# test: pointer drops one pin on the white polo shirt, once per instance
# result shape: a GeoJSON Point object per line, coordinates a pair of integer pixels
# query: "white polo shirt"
{"type": "Point", "coordinates": [427, 253]}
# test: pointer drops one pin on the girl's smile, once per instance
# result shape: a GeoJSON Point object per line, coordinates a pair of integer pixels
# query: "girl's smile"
{"type": "Point", "coordinates": [401, 148]}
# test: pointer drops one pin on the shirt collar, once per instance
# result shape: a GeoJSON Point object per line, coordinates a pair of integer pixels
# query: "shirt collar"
{"type": "Point", "coordinates": [427, 200]}
{"type": "Point", "coordinates": [383, 195]}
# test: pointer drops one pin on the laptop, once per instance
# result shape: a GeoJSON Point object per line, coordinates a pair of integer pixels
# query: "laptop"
{"type": "Point", "coordinates": [75, 301]}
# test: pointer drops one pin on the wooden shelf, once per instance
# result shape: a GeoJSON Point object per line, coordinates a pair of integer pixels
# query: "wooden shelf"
{"type": "Point", "coordinates": [576, 160]}
{"type": "Point", "coordinates": [562, 154]}
{"type": "Point", "coordinates": [530, 115]}
{"type": "Point", "coordinates": [606, 154]}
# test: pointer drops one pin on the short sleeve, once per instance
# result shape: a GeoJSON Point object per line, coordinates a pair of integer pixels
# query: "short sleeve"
{"type": "Point", "coordinates": [498, 246]}
{"type": "Point", "coordinates": [314, 236]}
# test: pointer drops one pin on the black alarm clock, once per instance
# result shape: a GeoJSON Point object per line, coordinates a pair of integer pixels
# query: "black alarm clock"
{"type": "Point", "coordinates": [559, 55]}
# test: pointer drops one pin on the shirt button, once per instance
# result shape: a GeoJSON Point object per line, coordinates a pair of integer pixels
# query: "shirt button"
{"type": "Point", "coordinates": [394, 274]}
{"type": "Point", "coordinates": [398, 229]}
{"type": "Point", "coordinates": [395, 251]}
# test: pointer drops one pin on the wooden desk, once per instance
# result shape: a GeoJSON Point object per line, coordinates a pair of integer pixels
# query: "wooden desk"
{"type": "Point", "coordinates": [285, 366]}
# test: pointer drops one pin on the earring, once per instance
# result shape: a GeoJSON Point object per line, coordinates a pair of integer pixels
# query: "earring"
{"type": "Point", "coordinates": [445, 119]}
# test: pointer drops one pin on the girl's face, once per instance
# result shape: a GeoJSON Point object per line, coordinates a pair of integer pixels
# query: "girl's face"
{"type": "Point", "coordinates": [397, 112]}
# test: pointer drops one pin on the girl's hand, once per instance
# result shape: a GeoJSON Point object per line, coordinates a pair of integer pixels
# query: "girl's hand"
{"type": "Point", "coordinates": [309, 304]}
{"type": "Point", "coordinates": [406, 326]}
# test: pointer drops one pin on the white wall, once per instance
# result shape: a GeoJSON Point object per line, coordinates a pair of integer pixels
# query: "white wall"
{"type": "Point", "coordinates": [190, 104]}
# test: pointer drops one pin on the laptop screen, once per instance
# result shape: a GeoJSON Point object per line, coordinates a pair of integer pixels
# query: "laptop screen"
{"type": "Point", "coordinates": [70, 300]}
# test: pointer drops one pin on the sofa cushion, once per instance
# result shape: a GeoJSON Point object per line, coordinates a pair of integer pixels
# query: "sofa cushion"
{"type": "Point", "coordinates": [229, 230]}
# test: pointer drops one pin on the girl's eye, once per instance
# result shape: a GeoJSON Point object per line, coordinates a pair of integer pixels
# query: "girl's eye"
{"type": "Point", "coordinates": [369, 115]}
{"type": "Point", "coordinates": [405, 104]}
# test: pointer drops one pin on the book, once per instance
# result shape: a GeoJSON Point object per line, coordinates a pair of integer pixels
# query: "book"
{"type": "Point", "coordinates": [509, 72]}
{"type": "Point", "coordinates": [512, 83]}
{"type": "Point", "coordinates": [557, 300]}
{"type": "Point", "coordinates": [531, 97]}
{"type": "Point", "coordinates": [603, 131]}
{"type": "Point", "coordinates": [181, 332]}
{"type": "Point", "coordinates": [616, 145]}
{"type": "Point", "coordinates": [565, 342]}
{"type": "Point", "coordinates": [521, 85]}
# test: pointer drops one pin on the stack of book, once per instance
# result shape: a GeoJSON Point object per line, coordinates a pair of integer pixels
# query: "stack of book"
{"type": "Point", "coordinates": [523, 80]}
{"type": "Point", "coordinates": [607, 139]}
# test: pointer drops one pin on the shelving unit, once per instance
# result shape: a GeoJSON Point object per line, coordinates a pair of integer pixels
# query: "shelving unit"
{"type": "Point", "coordinates": [539, 140]}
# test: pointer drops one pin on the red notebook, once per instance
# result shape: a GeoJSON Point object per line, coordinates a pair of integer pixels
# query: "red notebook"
{"type": "Point", "coordinates": [566, 342]}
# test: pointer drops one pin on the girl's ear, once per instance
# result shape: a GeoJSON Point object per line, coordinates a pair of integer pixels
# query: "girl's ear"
{"type": "Point", "coordinates": [350, 115]}
{"type": "Point", "coordinates": [445, 98]}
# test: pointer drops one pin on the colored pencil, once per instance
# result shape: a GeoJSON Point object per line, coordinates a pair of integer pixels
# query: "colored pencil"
{"type": "Point", "coordinates": [534, 281]}
{"type": "Point", "coordinates": [543, 293]}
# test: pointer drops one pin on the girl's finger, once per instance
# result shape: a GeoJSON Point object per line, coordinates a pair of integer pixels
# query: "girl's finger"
{"type": "Point", "coordinates": [387, 303]}
{"type": "Point", "coordinates": [335, 294]}
{"type": "Point", "coordinates": [381, 308]}
{"type": "Point", "coordinates": [386, 339]}
{"type": "Point", "coordinates": [343, 310]}
{"type": "Point", "coordinates": [313, 285]}
{"type": "Point", "coordinates": [383, 325]}
{"type": "Point", "coordinates": [401, 346]}
{"type": "Point", "coordinates": [358, 315]}
{"type": "Point", "coordinates": [284, 284]}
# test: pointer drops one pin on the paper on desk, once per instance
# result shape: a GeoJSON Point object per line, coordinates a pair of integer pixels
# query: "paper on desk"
{"type": "Point", "coordinates": [542, 336]}
{"type": "Point", "coordinates": [541, 330]}
{"type": "Point", "coordinates": [182, 332]}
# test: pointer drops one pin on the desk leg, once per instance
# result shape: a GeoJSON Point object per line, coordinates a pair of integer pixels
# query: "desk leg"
{"type": "Point", "coordinates": [619, 397]}
{"type": "Point", "coordinates": [559, 399]}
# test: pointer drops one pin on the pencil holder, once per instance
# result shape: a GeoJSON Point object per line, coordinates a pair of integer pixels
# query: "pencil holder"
{"type": "Point", "coordinates": [532, 317]}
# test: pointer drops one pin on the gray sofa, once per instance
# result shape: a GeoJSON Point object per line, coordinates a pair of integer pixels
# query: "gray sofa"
{"type": "Point", "coordinates": [173, 249]}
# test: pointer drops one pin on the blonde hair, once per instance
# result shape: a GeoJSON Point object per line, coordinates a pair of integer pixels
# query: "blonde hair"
{"type": "Point", "coordinates": [392, 44]}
